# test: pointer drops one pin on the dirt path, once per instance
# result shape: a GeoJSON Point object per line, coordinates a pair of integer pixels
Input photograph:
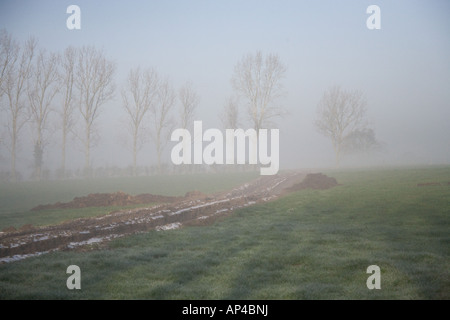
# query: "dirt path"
{"type": "Point", "coordinates": [195, 209]}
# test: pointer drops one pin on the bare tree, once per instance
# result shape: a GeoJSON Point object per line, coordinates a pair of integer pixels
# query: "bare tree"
{"type": "Point", "coordinates": [14, 85]}
{"type": "Point", "coordinates": [189, 102]}
{"type": "Point", "coordinates": [161, 120]}
{"type": "Point", "coordinates": [258, 81]}
{"type": "Point", "coordinates": [230, 114]}
{"type": "Point", "coordinates": [138, 96]}
{"type": "Point", "coordinates": [42, 88]}
{"type": "Point", "coordinates": [8, 55]}
{"type": "Point", "coordinates": [9, 50]}
{"type": "Point", "coordinates": [340, 113]}
{"type": "Point", "coordinates": [67, 76]}
{"type": "Point", "coordinates": [94, 80]}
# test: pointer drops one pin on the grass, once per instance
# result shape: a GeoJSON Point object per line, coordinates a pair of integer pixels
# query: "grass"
{"type": "Point", "coordinates": [308, 245]}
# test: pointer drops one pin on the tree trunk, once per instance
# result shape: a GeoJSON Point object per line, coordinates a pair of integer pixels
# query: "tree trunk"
{"type": "Point", "coordinates": [135, 152]}
{"type": "Point", "coordinates": [63, 156]}
{"type": "Point", "coordinates": [338, 159]}
{"type": "Point", "coordinates": [158, 149]}
{"type": "Point", "coordinates": [87, 148]}
{"type": "Point", "coordinates": [159, 156]}
{"type": "Point", "coordinates": [38, 154]}
{"type": "Point", "coordinates": [13, 151]}
{"type": "Point", "coordinates": [13, 159]}
{"type": "Point", "coordinates": [337, 153]}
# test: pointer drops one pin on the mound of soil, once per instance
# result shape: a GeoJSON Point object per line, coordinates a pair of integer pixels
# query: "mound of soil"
{"type": "Point", "coordinates": [315, 181]}
{"type": "Point", "coordinates": [24, 228]}
{"type": "Point", "coordinates": [9, 229]}
{"type": "Point", "coordinates": [428, 184]}
{"type": "Point", "coordinates": [118, 199]}
{"type": "Point", "coordinates": [195, 194]}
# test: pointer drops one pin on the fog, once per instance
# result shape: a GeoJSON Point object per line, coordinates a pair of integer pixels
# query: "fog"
{"type": "Point", "coordinates": [403, 70]}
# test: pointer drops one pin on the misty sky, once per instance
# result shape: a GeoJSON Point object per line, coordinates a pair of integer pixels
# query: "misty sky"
{"type": "Point", "coordinates": [403, 69]}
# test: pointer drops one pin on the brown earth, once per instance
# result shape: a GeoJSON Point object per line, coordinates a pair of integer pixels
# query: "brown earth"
{"type": "Point", "coordinates": [195, 208]}
{"type": "Point", "coordinates": [9, 229]}
{"type": "Point", "coordinates": [315, 181]}
{"type": "Point", "coordinates": [117, 199]}
{"type": "Point", "coordinates": [428, 184]}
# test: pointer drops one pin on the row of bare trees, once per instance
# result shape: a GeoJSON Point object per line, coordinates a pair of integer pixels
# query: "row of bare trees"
{"type": "Point", "coordinates": [31, 79]}
{"type": "Point", "coordinates": [15, 73]}
{"type": "Point", "coordinates": [76, 84]}
{"type": "Point", "coordinates": [150, 99]}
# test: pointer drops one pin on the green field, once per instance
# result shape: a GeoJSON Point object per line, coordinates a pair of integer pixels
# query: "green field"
{"type": "Point", "coordinates": [310, 244]}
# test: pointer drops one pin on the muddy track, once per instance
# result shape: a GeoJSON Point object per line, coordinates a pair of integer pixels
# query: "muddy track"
{"type": "Point", "coordinates": [197, 209]}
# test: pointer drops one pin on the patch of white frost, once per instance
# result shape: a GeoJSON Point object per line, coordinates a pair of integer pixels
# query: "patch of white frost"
{"type": "Point", "coordinates": [18, 257]}
{"type": "Point", "coordinates": [170, 226]}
